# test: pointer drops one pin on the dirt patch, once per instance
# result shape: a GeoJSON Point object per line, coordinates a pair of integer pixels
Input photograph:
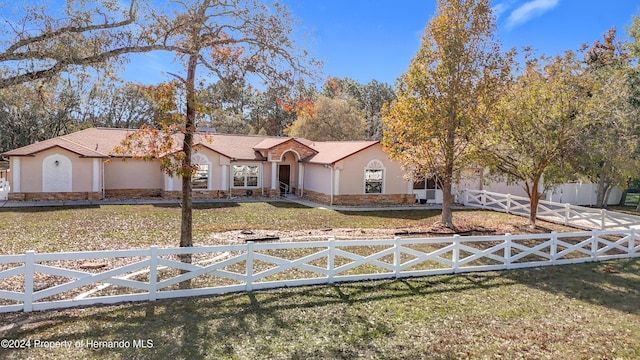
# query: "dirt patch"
{"type": "Point", "coordinates": [434, 230]}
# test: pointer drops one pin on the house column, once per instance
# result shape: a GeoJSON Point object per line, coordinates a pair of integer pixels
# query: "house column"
{"type": "Point", "coordinates": [274, 173]}
{"type": "Point", "coordinates": [300, 177]}
{"type": "Point", "coordinates": [168, 183]}
{"type": "Point", "coordinates": [95, 179]}
{"type": "Point", "coordinates": [336, 179]}
{"type": "Point", "coordinates": [15, 174]}
{"type": "Point", "coordinates": [223, 182]}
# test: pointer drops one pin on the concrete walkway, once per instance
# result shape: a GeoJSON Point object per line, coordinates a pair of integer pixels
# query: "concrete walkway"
{"type": "Point", "coordinates": [312, 204]}
{"type": "Point", "coordinates": [147, 201]}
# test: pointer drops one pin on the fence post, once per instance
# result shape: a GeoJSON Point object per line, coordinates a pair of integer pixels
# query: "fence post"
{"type": "Point", "coordinates": [603, 217]}
{"type": "Point", "coordinates": [396, 256]}
{"type": "Point", "coordinates": [567, 213]}
{"type": "Point", "coordinates": [594, 244]}
{"type": "Point", "coordinates": [507, 251]}
{"type": "Point", "coordinates": [153, 272]}
{"type": "Point", "coordinates": [29, 269]}
{"type": "Point", "coordinates": [466, 197]}
{"type": "Point", "coordinates": [508, 203]}
{"type": "Point", "coordinates": [632, 245]}
{"type": "Point", "coordinates": [456, 252]}
{"type": "Point", "coordinates": [554, 247]}
{"type": "Point", "coordinates": [249, 265]}
{"type": "Point", "coordinates": [484, 199]}
{"type": "Point", "coordinates": [331, 259]}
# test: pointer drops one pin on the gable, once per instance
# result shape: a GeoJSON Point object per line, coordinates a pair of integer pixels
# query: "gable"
{"type": "Point", "coordinates": [303, 151]}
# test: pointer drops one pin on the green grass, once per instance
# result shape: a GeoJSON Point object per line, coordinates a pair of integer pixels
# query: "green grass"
{"type": "Point", "coordinates": [139, 226]}
{"type": "Point", "coordinates": [632, 199]}
{"type": "Point", "coordinates": [631, 210]}
{"type": "Point", "coordinates": [588, 311]}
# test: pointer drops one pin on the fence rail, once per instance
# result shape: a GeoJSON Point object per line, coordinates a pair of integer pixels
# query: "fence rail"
{"type": "Point", "coordinates": [566, 214]}
{"type": "Point", "coordinates": [34, 281]}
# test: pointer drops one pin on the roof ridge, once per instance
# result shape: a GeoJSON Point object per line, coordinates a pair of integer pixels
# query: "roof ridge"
{"type": "Point", "coordinates": [64, 137]}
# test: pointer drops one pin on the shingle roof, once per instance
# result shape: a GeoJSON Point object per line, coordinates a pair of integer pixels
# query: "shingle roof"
{"type": "Point", "coordinates": [90, 142]}
{"type": "Point", "coordinates": [100, 142]}
{"type": "Point", "coordinates": [239, 147]}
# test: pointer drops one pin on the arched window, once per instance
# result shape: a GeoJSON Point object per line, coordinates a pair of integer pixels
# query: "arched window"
{"type": "Point", "coordinates": [201, 180]}
{"type": "Point", "coordinates": [374, 177]}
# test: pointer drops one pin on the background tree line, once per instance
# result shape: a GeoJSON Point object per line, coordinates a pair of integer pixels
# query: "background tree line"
{"type": "Point", "coordinates": [342, 109]}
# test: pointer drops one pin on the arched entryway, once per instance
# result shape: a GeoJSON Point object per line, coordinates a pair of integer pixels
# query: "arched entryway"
{"type": "Point", "coordinates": [288, 172]}
{"type": "Point", "coordinates": [56, 174]}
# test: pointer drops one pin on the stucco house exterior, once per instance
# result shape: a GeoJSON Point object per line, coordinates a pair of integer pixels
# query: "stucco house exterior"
{"type": "Point", "coordinates": [82, 165]}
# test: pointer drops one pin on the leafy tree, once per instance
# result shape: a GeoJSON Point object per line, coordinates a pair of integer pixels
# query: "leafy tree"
{"type": "Point", "coordinates": [228, 40]}
{"type": "Point", "coordinates": [331, 119]}
{"type": "Point", "coordinates": [31, 113]}
{"type": "Point", "coordinates": [39, 41]}
{"type": "Point", "coordinates": [634, 76]}
{"type": "Point", "coordinates": [225, 104]}
{"type": "Point", "coordinates": [447, 95]}
{"type": "Point", "coordinates": [374, 96]}
{"type": "Point", "coordinates": [537, 127]}
{"type": "Point", "coordinates": [370, 97]}
{"type": "Point", "coordinates": [108, 104]}
{"type": "Point", "coordinates": [611, 137]}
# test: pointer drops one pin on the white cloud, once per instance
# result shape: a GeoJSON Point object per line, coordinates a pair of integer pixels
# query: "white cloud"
{"type": "Point", "coordinates": [529, 10]}
{"type": "Point", "coordinates": [501, 8]}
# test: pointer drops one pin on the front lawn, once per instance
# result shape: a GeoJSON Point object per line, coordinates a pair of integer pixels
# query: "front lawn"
{"type": "Point", "coordinates": [587, 311]}
{"type": "Point", "coordinates": [139, 226]}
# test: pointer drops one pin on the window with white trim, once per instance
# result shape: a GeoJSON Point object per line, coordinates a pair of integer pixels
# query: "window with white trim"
{"type": "Point", "coordinates": [200, 178]}
{"type": "Point", "coordinates": [374, 177]}
{"type": "Point", "coordinates": [246, 175]}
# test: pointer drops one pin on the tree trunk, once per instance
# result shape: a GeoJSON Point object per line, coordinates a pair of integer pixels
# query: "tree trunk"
{"type": "Point", "coordinates": [534, 199]}
{"type": "Point", "coordinates": [186, 238]}
{"type": "Point", "coordinates": [447, 201]}
{"type": "Point", "coordinates": [447, 178]}
{"type": "Point", "coordinates": [607, 193]}
{"type": "Point", "coordinates": [186, 225]}
{"type": "Point", "coordinates": [600, 192]}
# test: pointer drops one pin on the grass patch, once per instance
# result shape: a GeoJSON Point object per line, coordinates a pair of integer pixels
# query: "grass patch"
{"type": "Point", "coordinates": [631, 210]}
{"type": "Point", "coordinates": [569, 312]}
{"type": "Point", "coordinates": [632, 199]}
{"type": "Point", "coordinates": [139, 226]}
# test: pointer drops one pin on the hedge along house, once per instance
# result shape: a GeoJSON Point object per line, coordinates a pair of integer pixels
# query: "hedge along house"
{"type": "Point", "coordinates": [82, 165]}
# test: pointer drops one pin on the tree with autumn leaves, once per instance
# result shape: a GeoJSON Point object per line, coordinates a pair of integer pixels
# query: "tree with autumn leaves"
{"type": "Point", "coordinates": [447, 96]}
{"type": "Point", "coordinates": [226, 40]}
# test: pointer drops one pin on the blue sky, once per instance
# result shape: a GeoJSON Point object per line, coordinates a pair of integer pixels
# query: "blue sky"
{"type": "Point", "coordinates": [376, 39]}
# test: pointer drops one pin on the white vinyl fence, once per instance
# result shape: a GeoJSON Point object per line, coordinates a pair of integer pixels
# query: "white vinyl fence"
{"type": "Point", "coordinates": [4, 189]}
{"type": "Point", "coordinates": [34, 281]}
{"type": "Point", "coordinates": [566, 214]}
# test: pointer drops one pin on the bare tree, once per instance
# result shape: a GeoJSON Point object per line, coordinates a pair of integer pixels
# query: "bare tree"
{"type": "Point", "coordinates": [40, 41]}
{"type": "Point", "coordinates": [228, 39]}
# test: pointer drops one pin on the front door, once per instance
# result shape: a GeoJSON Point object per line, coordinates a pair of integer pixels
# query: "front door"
{"type": "Point", "coordinates": [284, 177]}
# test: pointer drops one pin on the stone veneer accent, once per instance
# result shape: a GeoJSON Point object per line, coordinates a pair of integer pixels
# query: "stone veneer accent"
{"type": "Point", "coordinates": [277, 151]}
{"type": "Point", "coordinates": [54, 196]}
{"type": "Point", "coordinates": [223, 194]}
{"type": "Point", "coordinates": [360, 200]}
{"type": "Point", "coordinates": [132, 193]}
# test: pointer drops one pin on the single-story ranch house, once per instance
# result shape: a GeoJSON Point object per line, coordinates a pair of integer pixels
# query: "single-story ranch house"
{"type": "Point", "coordinates": [82, 165]}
